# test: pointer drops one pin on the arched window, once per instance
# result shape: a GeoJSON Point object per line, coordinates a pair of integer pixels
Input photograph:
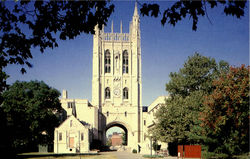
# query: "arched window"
{"type": "Point", "coordinates": [107, 93]}
{"type": "Point", "coordinates": [125, 62]}
{"type": "Point", "coordinates": [107, 61]}
{"type": "Point", "coordinates": [125, 93]}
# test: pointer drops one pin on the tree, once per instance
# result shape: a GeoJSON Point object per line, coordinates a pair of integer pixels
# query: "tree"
{"type": "Point", "coordinates": [109, 142]}
{"type": "Point", "coordinates": [30, 114]}
{"type": "Point", "coordinates": [226, 114]}
{"type": "Point", "coordinates": [28, 24]}
{"type": "Point", "coordinates": [178, 121]}
{"type": "Point", "coordinates": [193, 9]}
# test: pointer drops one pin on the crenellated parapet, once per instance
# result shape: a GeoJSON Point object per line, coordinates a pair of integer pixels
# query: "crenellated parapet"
{"type": "Point", "coordinates": [119, 37]}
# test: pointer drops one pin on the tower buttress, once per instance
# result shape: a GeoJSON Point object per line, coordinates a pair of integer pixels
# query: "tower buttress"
{"type": "Point", "coordinates": [96, 67]}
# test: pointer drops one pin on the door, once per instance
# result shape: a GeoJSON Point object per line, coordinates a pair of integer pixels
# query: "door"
{"type": "Point", "coordinates": [71, 142]}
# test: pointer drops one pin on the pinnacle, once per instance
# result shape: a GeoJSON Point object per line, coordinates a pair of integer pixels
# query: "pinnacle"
{"type": "Point", "coordinates": [136, 10]}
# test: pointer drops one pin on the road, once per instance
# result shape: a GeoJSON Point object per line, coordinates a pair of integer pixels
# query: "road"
{"type": "Point", "coordinates": [128, 155]}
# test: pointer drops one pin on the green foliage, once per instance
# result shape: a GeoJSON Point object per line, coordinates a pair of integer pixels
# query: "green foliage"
{"type": "Point", "coordinates": [134, 151]}
{"type": "Point", "coordinates": [40, 24]}
{"type": "Point", "coordinates": [30, 110]}
{"type": "Point", "coordinates": [226, 114]}
{"type": "Point", "coordinates": [178, 121]}
{"type": "Point", "coordinates": [27, 24]}
{"type": "Point", "coordinates": [156, 146]}
{"type": "Point", "coordinates": [124, 138]}
{"type": "Point", "coordinates": [192, 9]}
{"type": "Point", "coordinates": [109, 142]}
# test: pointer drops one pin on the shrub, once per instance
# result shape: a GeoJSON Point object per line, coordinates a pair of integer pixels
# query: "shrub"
{"type": "Point", "coordinates": [134, 151]}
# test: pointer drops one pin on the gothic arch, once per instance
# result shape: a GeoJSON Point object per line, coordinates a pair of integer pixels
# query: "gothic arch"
{"type": "Point", "coordinates": [121, 125]}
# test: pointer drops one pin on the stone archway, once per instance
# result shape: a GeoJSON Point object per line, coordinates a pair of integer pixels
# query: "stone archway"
{"type": "Point", "coordinates": [120, 125]}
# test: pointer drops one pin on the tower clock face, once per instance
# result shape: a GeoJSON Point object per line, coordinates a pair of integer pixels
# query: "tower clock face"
{"type": "Point", "coordinates": [117, 92]}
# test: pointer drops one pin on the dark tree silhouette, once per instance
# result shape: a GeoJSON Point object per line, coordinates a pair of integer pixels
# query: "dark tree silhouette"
{"type": "Point", "coordinates": [39, 24]}
{"type": "Point", "coordinates": [29, 113]}
{"type": "Point", "coordinates": [184, 8]}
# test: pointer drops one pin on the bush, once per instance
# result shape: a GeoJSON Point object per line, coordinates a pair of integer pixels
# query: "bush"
{"type": "Point", "coordinates": [134, 151]}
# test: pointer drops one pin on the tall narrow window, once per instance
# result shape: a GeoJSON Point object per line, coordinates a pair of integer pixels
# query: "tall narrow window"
{"type": "Point", "coordinates": [82, 136]}
{"type": "Point", "coordinates": [125, 62]}
{"type": "Point", "coordinates": [107, 93]}
{"type": "Point", "coordinates": [60, 136]}
{"type": "Point", "coordinates": [107, 113]}
{"type": "Point", "coordinates": [107, 61]}
{"type": "Point", "coordinates": [125, 93]}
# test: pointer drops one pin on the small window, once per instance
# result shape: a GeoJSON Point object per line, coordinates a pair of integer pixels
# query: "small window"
{"type": "Point", "coordinates": [125, 114]}
{"type": "Point", "coordinates": [71, 104]}
{"type": "Point", "coordinates": [82, 136]}
{"type": "Point", "coordinates": [107, 113]}
{"type": "Point", "coordinates": [125, 93]}
{"type": "Point", "coordinates": [144, 122]}
{"type": "Point", "coordinates": [60, 136]}
{"type": "Point", "coordinates": [107, 93]}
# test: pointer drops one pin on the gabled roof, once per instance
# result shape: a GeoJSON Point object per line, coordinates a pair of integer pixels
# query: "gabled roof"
{"type": "Point", "coordinates": [73, 118]}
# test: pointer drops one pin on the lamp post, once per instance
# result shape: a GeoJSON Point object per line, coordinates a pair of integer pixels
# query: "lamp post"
{"type": "Point", "coordinates": [151, 144]}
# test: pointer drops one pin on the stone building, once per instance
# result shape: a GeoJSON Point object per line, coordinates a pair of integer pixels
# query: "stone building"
{"type": "Point", "coordinates": [116, 81]}
{"type": "Point", "coordinates": [116, 139]}
{"type": "Point", "coordinates": [72, 136]}
{"type": "Point", "coordinates": [116, 91]}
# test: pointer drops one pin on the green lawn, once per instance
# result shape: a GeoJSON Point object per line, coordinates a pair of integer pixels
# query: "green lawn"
{"type": "Point", "coordinates": [77, 157]}
{"type": "Point", "coordinates": [36, 155]}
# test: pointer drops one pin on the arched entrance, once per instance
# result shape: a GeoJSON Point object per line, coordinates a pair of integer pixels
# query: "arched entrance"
{"type": "Point", "coordinates": [122, 126]}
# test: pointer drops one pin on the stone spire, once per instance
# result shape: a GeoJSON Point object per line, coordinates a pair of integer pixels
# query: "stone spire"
{"type": "Point", "coordinates": [121, 27]}
{"type": "Point", "coordinates": [136, 10]}
{"type": "Point", "coordinates": [112, 27]}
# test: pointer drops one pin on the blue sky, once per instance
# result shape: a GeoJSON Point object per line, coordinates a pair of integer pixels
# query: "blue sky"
{"type": "Point", "coordinates": [164, 50]}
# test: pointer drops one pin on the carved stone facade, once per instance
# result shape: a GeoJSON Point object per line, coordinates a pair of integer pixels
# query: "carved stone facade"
{"type": "Point", "coordinates": [116, 93]}
{"type": "Point", "coordinates": [116, 81]}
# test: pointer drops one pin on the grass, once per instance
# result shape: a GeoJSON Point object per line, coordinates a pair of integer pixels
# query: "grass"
{"type": "Point", "coordinates": [153, 156]}
{"type": "Point", "coordinates": [77, 157]}
{"type": "Point", "coordinates": [50, 156]}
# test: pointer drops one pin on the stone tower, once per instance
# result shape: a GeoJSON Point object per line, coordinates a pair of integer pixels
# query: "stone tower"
{"type": "Point", "coordinates": [116, 81]}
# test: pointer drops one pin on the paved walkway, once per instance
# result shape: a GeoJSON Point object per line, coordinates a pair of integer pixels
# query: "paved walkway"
{"type": "Point", "coordinates": [128, 155]}
{"type": "Point", "coordinates": [123, 155]}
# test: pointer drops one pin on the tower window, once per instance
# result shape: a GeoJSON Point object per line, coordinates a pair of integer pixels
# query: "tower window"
{"type": "Point", "coordinates": [125, 93]}
{"type": "Point", "coordinates": [71, 104]}
{"type": "Point", "coordinates": [107, 113]}
{"type": "Point", "coordinates": [125, 114]}
{"type": "Point", "coordinates": [125, 62]}
{"type": "Point", "coordinates": [107, 61]}
{"type": "Point", "coordinates": [107, 93]}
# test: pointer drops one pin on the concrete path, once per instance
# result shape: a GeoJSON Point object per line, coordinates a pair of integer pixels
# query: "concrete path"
{"type": "Point", "coordinates": [128, 155]}
{"type": "Point", "coordinates": [123, 155]}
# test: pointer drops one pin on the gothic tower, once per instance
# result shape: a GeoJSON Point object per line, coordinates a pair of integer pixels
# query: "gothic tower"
{"type": "Point", "coordinates": [116, 81]}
